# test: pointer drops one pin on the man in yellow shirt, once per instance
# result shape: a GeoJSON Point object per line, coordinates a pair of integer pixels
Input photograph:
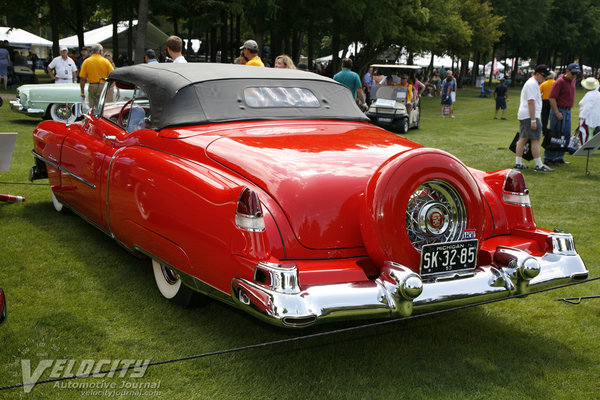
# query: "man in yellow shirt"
{"type": "Point", "coordinates": [545, 90]}
{"type": "Point", "coordinates": [95, 70]}
{"type": "Point", "coordinates": [250, 50]}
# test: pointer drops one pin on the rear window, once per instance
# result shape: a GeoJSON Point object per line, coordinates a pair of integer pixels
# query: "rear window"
{"type": "Point", "coordinates": [280, 97]}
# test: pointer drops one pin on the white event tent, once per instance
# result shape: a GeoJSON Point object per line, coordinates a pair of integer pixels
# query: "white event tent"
{"type": "Point", "coordinates": [19, 38]}
{"type": "Point", "coordinates": [155, 38]}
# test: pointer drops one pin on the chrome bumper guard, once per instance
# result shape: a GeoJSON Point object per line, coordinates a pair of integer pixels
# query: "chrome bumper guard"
{"type": "Point", "coordinates": [15, 105]}
{"type": "Point", "coordinates": [398, 291]}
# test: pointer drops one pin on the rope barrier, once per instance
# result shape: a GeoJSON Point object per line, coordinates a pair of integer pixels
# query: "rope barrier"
{"type": "Point", "coordinates": [294, 339]}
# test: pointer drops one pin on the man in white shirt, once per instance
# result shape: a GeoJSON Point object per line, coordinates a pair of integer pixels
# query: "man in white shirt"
{"type": "Point", "coordinates": [530, 126]}
{"type": "Point", "coordinates": [174, 48]}
{"type": "Point", "coordinates": [64, 67]}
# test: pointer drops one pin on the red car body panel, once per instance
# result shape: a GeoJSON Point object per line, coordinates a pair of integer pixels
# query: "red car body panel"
{"type": "Point", "coordinates": [299, 163]}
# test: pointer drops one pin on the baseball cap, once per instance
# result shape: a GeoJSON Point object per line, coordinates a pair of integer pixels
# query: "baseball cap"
{"type": "Point", "coordinates": [573, 67]}
{"type": "Point", "coordinates": [542, 69]}
{"type": "Point", "coordinates": [250, 45]}
{"type": "Point", "coordinates": [63, 48]}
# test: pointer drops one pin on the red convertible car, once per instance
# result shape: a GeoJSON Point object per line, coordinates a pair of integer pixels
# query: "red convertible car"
{"type": "Point", "coordinates": [269, 190]}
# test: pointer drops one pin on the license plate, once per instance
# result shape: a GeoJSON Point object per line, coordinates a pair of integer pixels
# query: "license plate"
{"type": "Point", "coordinates": [451, 256]}
{"type": "Point", "coordinates": [385, 120]}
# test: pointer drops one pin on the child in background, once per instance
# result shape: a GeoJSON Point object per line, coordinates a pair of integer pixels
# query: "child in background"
{"type": "Point", "coordinates": [501, 95]}
{"type": "Point", "coordinates": [447, 97]}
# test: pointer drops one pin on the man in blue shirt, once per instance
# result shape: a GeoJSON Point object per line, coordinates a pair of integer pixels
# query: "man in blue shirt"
{"type": "Point", "coordinates": [351, 80]}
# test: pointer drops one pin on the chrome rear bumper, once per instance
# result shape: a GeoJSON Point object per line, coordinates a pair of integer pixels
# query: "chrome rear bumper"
{"type": "Point", "coordinates": [399, 292]}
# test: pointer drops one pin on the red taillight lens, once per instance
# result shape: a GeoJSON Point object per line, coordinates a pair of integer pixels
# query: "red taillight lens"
{"type": "Point", "coordinates": [248, 214]}
{"type": "Point", "coordinates": [515, 190]}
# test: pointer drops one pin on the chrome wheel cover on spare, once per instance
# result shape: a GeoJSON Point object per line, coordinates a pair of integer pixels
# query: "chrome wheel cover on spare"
{"type": "Point", "coordinates": [435, 213]}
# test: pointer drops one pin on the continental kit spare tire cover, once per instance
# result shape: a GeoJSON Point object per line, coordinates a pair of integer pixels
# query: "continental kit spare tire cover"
{"type": "Point", "coordinates": [419, 197]}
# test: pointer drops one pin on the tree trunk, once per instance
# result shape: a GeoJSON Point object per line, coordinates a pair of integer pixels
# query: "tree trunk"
{"type": "Point", "coordinates": [76, 5]}
{"type": "Point", "coordinates": [115, 21]}
{"type": "Point", "coordinates": [130, 42]}
{"type": "Point", "coordinates": [213, 44]}
{"type": "Point", "coordinates": [335, 50]}
{"type": "Point", "coordinates": [54, 25]}
{"type": "Point", "coordinates": [311, 49]}
{"type": "Point", "coordinates": [225, 50]}
{"type": "Point", "coordinates": [464, 64]}
{"type": "Point", "coordinates": [475, 70]}
{"type": "Point", "coordinates": [140, 41]}
{"type": "Point", "coordinates": [297, 46]}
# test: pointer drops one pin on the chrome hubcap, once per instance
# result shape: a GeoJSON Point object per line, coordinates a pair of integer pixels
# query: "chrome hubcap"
{"type": "Point", "coordinates": [170, 276]}
{"type": "Point", "coordinates": [62, 112]}
{"type": "Point", "coordinates": [435, 214]}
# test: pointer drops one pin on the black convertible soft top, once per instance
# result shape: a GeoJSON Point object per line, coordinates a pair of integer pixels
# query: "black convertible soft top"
{"type": "Point", "coordinates": [202, 93]}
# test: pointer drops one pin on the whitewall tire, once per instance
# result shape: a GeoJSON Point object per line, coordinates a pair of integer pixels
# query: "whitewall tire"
{"type": "Point", "coordinates": [170, 286]}
{"type": "Point", "coordinates": [62, 112]}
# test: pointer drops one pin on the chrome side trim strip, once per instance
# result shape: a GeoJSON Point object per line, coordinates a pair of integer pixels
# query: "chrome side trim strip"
{"type": "Point", "coordinates": [63, 169]}
{"type": "Point", "coordinates": [44, 159]}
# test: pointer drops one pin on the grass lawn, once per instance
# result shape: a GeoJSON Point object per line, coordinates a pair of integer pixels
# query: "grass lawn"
{"type": "Point", "coordinates": [74, 294]}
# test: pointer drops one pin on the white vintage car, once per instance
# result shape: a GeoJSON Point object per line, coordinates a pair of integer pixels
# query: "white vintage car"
{"type": "Point", "coordinates": [57, 101]}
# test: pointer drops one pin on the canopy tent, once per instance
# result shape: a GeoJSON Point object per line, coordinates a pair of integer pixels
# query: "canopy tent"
{"type": "Point", "coordinates": [350, 51]}
{"type": "Point", "coordinates": [155, 38]}
{"type": "Point", "coordinates": [22, 39]}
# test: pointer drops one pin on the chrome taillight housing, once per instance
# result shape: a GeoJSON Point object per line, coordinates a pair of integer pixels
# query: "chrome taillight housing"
{"type": "Point", "coordinates": [248, 213]}
{"type": "Point", "coordinates": [515, 190]}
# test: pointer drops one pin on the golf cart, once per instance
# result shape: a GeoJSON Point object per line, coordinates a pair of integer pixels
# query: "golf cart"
{"type": "Point", "coordinates": [389, 103]}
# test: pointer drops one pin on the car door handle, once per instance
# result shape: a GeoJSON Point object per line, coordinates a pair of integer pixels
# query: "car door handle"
{"type": "Point", "coordinates": [110, 137]}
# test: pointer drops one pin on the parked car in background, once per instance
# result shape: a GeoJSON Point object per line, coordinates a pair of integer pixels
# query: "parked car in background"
{"type": "Point", "coordinates": [2, 306]}
{"type": "Point", "coordinates": [269, 190]}
{"type": "Point", "coordinates": [56, 101]}
{"type": "Point", "coordinates": [390, 107]}
{"type": "Point", "coordinates": [23, 71]}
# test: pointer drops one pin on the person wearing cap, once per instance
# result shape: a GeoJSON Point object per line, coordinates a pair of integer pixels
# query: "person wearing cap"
{"type": "Point", "coordinates": [501, 95]}
{"type": "Point", "coordinates": [562, 97]}
{"type": "Point", "coordinates": [589, 109]}
{"type": "Point", "coordinates": [83, 54]}
{"type": "Point", "coordinates": [94, 70]}
{"type": "Point", "coordinates": [250, 51]}
{"type": "Point", "coordinates": [545, 88]}
{"type": "Point", "coordinates": [62, 69]}
{"type": "Point", "coordinates": [150, 57]}
{"type": "Point", "coordinates": [174, 48]}
{"type": "Point", "coordinates": [530, 126]}
{"type": "Point", "coordinates": [351, 80]}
